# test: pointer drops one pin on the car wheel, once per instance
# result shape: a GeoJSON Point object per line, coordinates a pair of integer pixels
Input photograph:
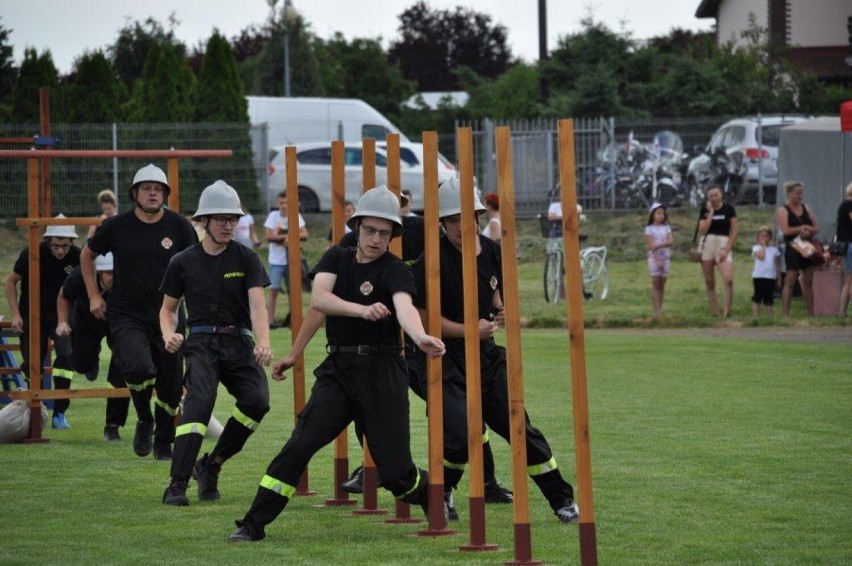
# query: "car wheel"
{"type": "Point", "coordinates": [308, 200]}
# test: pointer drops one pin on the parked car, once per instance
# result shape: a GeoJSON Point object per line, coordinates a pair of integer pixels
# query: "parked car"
{"type": "Point", "coordinates": [411, 156]}
{"type": "Point", "coordinates": [314, 174]}
{"type": "Point", "coordinates": [741, 154]}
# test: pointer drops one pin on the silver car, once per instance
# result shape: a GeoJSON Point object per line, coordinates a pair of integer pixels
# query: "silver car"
{"type": "Point", "coordinates": [741, 155]}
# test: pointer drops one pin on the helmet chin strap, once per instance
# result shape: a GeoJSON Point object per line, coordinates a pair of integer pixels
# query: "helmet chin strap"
{"type": "Point", "coordinates": [210, 234]}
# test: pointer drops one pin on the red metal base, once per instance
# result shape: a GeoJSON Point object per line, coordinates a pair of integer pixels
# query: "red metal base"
{"type": "Point", "coordinates": [403, 515]}
{"type": "Point", "coordinates": [477, 527]}
{"type": "Point", "coordinates": [523, 545]}
{"type": "Point", "coordinates": [364, 511]}
{"type": "Point", "coordinates": [339, 502]}
{"type": "Point", "coordinates": [478, 547]}
{"type": "Point", "coordinates": [437, 519]}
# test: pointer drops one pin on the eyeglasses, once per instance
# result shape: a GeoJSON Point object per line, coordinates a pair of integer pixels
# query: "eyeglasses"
{"type": "Point", "coordinates": [59, 246]}
{"type": "Point", "coordinates": [370, 232]}
{"type": "Point", "coordinates": [223, 221]}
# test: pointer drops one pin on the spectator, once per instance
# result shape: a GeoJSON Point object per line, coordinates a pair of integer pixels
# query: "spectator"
{"type": "Point", "coordinates": [142, 240]}
{"type": "Point", "coordinates": [844, 234]}
{"type": "Point", "coordinates": [276, 234]}
{"type": "Point", "coordinates": [87, 333]}
{"type": "Point", "coordinates": [407, 202]}
{"type": "Point", "coordinates": [766, 275]}
{"type": "Point", "coordinates": [492, 214]}
{"type": "Point", "coordinates": [108, 206]}
{"type": "Point", "coordinates": [718, 223]}
{"type": "Point", "coordinates": [57, 257]}
{"type": "Point", "coordinates": [795, 221]}
{"type": "Point", "coordinates": [658, 237]}
{"type": "Point", "coordinates": [348, 211]}
{"type": "Point", "coordinates": [244, 232]}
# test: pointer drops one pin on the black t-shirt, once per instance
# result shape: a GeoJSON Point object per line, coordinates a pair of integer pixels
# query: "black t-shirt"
{"type": "Point", "coordinates": [365, 284]}
{"type": "Point", "coordinates": [794, 220]}
{"type": "Point", "coordinates": [53, 273]}
{"type": "Point", "coordinates": [141, 253]}
{"type": "Point", "coordinates": [721, 223]}
{"type": "Point", "coordinates": [215, 287]}
{"type": "Point", "coordinates": [844, 223]}
{"type": "Point", "coordinates": [489, 279]}
{"type": "Point", "coordinates": [74, 289]}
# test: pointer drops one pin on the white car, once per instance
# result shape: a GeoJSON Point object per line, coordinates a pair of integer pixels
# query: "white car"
{"type": "Point", "coordinates": [314, 173]}
{"type": "Point", "coordinates": [411, 156]}
{"type": "Point", "coordinates": [747, 148]}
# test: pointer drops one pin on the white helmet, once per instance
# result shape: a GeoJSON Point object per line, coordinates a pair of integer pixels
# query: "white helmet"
{"type": "Point", "coordinates": [104, 262]}
{"type": "Point", "coordinates": [60, 231]}
{"type": "Point", "coordinates": [378, 202]}
{"type": "Point", "coordinates": [449, 198]}
{"type": "Point", "coordinates": [150, 173]}
{"type": "Point", "coordinates": [218, 198]}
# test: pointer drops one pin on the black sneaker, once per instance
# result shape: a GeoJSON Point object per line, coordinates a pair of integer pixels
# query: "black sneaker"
{"type": "Point", "coordinates": [355, 483]}
{"type": "Point", "coordinates": [569, 512]}
{"type": "Point", "coordinates": [450, 506]}
{"type": "Point", "coordinates": [111, 433]}
{"type": "Point", "coordinates": [206, 473]}
{"type": "Point", "coordinates": [175, 494]}
{"type": "Point", "coordinates": [144, 438]}
{"type": "Point", "coordinates": [242, 534]}
{"type": "Point", "coordinates": [496, 493]}
{"type": "Point", "coordinates": [162, 451]}
{"type": "Point", "coordinates": [92, 374]}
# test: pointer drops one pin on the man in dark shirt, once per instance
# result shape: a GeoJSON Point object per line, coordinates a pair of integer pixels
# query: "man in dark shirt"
{"type": "Point", "coordinates": [87, 333]}
{"type": "Point", "coordinates": [365, 293]}
{"type": "Point", "coordinates": [541, 464]}
{"type": "Point", "coordinates": [142, 242]}
{"type": "Point", "coordinates": [222, 282]}
{"type": "Point", "coordinates": [57, 257]}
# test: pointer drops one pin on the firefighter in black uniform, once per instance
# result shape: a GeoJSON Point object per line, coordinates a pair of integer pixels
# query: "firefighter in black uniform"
{"type": "Point", "coordinates": [57, 257]}
{"type": "Point", "coordinates": [87, 333]}
{"type": "Point", "coordinates": [222, 282]}
{"type": "Point", "coordinates": [142, 241]}
{"type": "Point", "coordinates": [541, 464]}
{"type": "Point", "coordinates": [365, 294]}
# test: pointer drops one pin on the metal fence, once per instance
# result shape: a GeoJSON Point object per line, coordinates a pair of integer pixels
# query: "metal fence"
{"type": "Point", "coordinates": [76, 182]}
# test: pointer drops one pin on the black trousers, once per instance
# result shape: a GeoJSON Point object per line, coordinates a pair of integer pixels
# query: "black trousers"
{"type": "Point", "coordinates": [211, 359]}
{"type": "Point", "coordinates": [348, 387]}
{"type": "Point", "coordinates": [62, 371]}
{"type": "Point", "coordinates": [541, 465]}
{"type": "Point", "coordinates": [141, 358]}
{"type": "Point", "coordinates": [86, 341]}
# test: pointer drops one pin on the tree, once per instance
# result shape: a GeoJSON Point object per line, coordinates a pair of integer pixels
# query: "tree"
{"type": "Point", "coordinates": [130, 50]}
{"type": "Point", "coordinates": [512, 95]}
{"type": "Point", "coordinates": [435, 43]}
{"type": "Point", "coordinates": [94, 95]}
{"type": "Point", "coordinates": [221, 97]}
{"type": "Point", "coordinates": [8, 72]}
{"type": "Point", "coordinates": [37, 71]}
{"type": "Point", "coordinates": [165, 92]}
{"type": "Point", "coordinates": [305, 77]}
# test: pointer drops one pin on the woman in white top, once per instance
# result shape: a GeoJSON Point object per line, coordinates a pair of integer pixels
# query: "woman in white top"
{"type": "Point", "coordinates": [492, 213]}
{"type": "Point", "coordinates": [244, 232]}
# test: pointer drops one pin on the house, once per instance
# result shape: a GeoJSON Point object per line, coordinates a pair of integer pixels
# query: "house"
{"type": "Point", "coordinates": [817, 32]}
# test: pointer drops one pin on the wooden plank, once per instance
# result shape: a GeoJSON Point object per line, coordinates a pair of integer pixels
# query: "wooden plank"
{"type": "Point", "coordinates": [69, 393]}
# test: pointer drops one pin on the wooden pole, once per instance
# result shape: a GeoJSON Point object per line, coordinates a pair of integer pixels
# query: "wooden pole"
{"type": "Point", "coordinates": [174, 182]}
{"type": "Point", "coordinates": [338, 197]}
{"type": "Point", "coordinates": [470, 236]}
{"type": "Point", "coordinates": [434, 389]}
{"type": "Point", "coordinates": [514, 358]}
{"type": "Point", "coordinates": [577, 344]}
{"type": "Point", "coordinates": [44, 129]}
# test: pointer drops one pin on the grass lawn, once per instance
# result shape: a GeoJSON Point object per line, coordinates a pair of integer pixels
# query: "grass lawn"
{"type": "Point", "coordinates": [705, 451]}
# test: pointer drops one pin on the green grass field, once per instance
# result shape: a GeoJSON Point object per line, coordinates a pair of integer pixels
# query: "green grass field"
{"type": "Point", "coordinates": [704, 451]}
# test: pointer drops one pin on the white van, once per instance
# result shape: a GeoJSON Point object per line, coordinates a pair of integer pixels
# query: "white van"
{"type": "Point", "coordinates": [293, 120]}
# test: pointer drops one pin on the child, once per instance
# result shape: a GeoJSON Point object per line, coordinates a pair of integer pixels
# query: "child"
{"type": "Point", "coordinates": [767, 271]}
{"type": "Point", "coordinates": [658, 236]}
{"type": "Point", "coordinates": [275, 229]}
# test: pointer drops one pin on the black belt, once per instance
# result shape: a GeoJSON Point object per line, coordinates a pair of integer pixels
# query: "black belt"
{"type": "Point", "coordinates": [229, 330]}
{"type": "Point", "coordinates": [363, 349]}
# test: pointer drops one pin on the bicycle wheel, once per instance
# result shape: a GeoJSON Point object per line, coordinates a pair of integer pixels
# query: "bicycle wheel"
{"type": "Point", "coordinates": [552, 276]}
{"type": "Point", "coordinates": [595, 276]}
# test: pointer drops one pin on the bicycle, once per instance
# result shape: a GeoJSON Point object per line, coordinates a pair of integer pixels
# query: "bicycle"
{"type": "Point", "coordinates": [592, 265]}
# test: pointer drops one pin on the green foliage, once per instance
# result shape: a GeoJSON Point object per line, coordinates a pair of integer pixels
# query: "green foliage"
{"type": "Point", "coordinates": [37, 71]}
{"type": "Point", "coordinates": [130, 50]}
{"type": "Point", "coordinates": [305, 77]}
{"type": "Point", "coordinates": [94, 95]}
{"type": "Point", "coordinates": [514, 94]}
{"type": "Point", "coordinates": [167, 88]}
{"type": "Point", "coordinates": [8, 72]}
{"type": "Point", "coordinates": [221, 97]}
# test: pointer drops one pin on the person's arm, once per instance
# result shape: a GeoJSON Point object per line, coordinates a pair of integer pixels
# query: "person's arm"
{"type": "Point", "coordinates": [760, 252]}
{"type": "Point", "coordinates": [168, 323]}
{"type": "Point", "coordinates": [778, 280]}
{"type": "Point", "coordinates": [704, 223]}
{"type": "Point", "coordinates": [312, 322]}
{"type": "Point", "coordinates": [260, 325]}
{"type": "Point", "coordinates": [732, 237]}
{"type": "Point", "coordinates": [97, 306]}
{"type": "Point", "coordinates": [12, 301]}
{"type": "Point", "coordinates": [91, 231]}
{"type": "Point", "coordinates": [325, 301]}
{"type": "Point", "coordinates": [814, 227]}
{"type": "Point", "coordinates": [493, 229]}
{"type": "Point", "coordinates": [409, 320]}
{"type": "Point", "coordinates": [452, 329]}
{"type": "Point", "coordinates": [303, 233]}
{"type": "Point", "coordinates": [273, 237]}
{"type": "Point", "coordinates": [63, 315]}
{"type": "Point", "coordinates": [649, 241]}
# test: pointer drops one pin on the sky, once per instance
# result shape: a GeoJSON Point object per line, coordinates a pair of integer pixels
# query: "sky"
{"type": "Point", "coordinates": [70, 27]}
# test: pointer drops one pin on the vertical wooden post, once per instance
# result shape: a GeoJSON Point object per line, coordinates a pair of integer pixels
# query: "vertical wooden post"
{"type": "Point", "coordinates": [514, 358]}
{"type": "Point", "coordinates": [434, 389]}
{"type": "Point", "coordinates": [173, 174]}
{"type": "Point", "coordinates": [34, 363]}
{"type": "Point", "coordinates": [577, 343]}
{"type": "Point", "coordinates": [44, 129]}
{"type": "Point", "coordinates": [470, 236]}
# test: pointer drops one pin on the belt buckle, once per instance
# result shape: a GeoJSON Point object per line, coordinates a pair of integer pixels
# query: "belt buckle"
{"type": "Point", "coordinates": [364, 350]}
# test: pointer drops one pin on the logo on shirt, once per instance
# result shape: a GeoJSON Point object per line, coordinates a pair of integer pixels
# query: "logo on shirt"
{"type": "Point", "coordinates": [366, 288]}
{"type": "Point", "coordinates": [68, 269]}
{"type": "Point", "coordinates": [233, 274]}
{"type": "Point", "coordinates": [167, 243]}
{"type": "Point", "coordinates": [493, 283]}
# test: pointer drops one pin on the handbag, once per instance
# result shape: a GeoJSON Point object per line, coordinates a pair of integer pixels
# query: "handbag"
{"type": "Point", "coordinates": [838, 249]}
